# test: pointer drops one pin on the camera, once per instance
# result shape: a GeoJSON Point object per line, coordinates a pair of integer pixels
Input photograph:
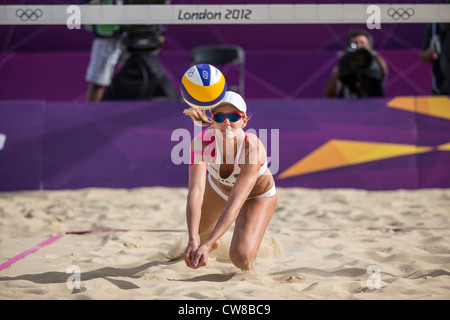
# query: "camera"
{"type": "Point", "coordinates": [361, 72]}
{"type": "Point", "coordinates": [356, 60]}
{"type": "Point", "coordinates": [143, 38]}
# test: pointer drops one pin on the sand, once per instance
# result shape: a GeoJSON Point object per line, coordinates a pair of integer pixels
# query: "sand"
{"type": "Point", "coordinates": [321, 244]}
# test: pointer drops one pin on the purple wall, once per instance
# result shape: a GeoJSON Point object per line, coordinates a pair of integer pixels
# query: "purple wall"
{"type": "Point", "coordinates": [56, 140]}
{"type": "Point", "coordinates": [282, 61]}
{"type": "Point", "coordinates": [53, 145]}
{"type": "Point", "coordinates": [278, 74]}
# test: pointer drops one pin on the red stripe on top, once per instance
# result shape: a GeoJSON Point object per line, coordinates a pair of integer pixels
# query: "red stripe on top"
{"type": "Point", "coordinates": [206, 138]}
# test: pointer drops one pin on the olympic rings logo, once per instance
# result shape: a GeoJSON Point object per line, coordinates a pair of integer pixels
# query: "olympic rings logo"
{"type": "Point", "coordinates": [400, 13]}
{"type": "Point", "coordinates": [29, 14]}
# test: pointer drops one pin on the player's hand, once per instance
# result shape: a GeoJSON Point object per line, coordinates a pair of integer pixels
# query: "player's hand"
{"type": "Point", "coordinates": [201, 256]}
{"type": "Point", "coordinates": [189, 253]}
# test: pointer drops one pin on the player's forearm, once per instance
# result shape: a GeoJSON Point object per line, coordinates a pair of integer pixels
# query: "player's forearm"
{"type": "Point", "coordinates": [193, 215]}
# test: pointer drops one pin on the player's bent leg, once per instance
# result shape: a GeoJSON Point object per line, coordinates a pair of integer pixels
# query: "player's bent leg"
{"type": "Point", "coordinates": [249, 230]}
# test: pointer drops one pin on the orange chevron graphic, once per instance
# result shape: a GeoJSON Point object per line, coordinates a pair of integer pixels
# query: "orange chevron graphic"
{"type": "Point", "coordinates": [444, 147]}
{"type": "Point", "coordinates": [339, 153]}
{"type": "Point", "coordinates": [437, 106]}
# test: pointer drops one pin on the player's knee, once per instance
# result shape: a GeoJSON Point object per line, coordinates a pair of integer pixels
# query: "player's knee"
{"type": "Point", "coordinates": [241, 259]}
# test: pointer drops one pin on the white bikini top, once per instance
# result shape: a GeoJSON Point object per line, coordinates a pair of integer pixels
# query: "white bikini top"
{"type": "Point", "coordinates": [214, 167]}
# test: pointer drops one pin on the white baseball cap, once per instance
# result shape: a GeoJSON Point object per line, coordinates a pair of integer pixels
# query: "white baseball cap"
{"type": "Point", "coordinates": [234, 99]}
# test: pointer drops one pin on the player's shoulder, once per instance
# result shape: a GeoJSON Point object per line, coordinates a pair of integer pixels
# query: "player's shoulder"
{"type": "Point", "coordinates": [253, 143]}
{"type": "Point", "coordinates": [252, 139]}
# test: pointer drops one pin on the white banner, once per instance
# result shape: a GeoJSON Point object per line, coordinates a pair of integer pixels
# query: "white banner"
{"type": "Point", "coordinates": [222, 14]}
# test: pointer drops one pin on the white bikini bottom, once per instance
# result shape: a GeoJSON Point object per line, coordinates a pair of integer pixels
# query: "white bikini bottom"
{"type": "Point", "coordinates": [272, 191]}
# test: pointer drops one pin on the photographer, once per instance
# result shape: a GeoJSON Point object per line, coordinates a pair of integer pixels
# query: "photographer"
{"type": "Point", "coordinates": [360, 72]}
{"type": "Point", "coordinates": [141, 76]}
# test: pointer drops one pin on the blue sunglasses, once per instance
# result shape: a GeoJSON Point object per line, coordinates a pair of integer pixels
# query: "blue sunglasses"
{"type": "Point", "coordinates": [232, 116]}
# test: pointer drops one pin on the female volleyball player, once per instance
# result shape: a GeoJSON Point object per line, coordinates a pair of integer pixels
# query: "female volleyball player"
{"type": "Point", "coordinates": [228, 182]}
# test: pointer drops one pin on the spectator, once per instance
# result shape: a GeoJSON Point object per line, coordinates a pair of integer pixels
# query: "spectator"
{"type": "Point", "coordinates": [360, 72]}
{"type": "Point", "coordinates": [105, 53]}
{"type": "Point", "coordinates": [436, 51]}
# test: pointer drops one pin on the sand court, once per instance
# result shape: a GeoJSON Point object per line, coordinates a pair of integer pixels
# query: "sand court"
{"type": "Point", "coordinates": [320, 244]}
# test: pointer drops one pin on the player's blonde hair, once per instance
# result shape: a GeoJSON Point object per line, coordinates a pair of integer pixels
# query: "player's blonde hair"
{"type": "Point", "coordinates": [198, 116]}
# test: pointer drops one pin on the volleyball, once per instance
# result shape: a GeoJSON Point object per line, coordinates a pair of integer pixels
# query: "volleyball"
{"type": "Point", "coordinates": [203, 86]}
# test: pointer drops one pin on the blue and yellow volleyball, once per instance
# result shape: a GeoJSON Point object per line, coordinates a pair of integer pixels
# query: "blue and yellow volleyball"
{"type": "Point", "coordinates": [203, 86]}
